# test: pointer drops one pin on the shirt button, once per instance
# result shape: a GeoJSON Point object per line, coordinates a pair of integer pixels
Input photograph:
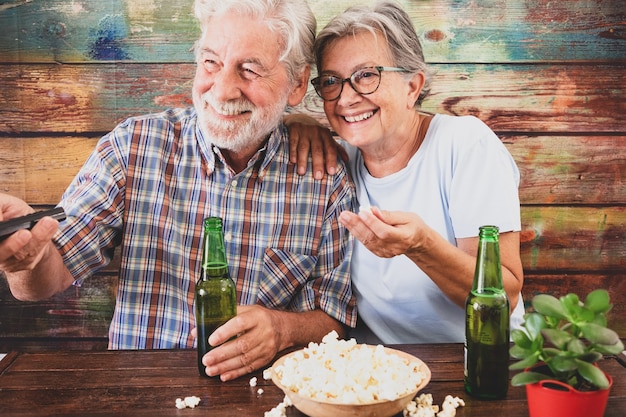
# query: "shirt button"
{"type": "Point", "coordinates": [233, 183]}
{"type": "Point", "coordinates": [227, 236]}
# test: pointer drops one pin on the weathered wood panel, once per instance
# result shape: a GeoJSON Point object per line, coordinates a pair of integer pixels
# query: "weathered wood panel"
{"type": "Point", "coordinates": [38, 170]}
{"type": "Point", "coordinates": [589, 170]}
{"type": "Point", "coordinates": [510, 98]}
{"type": "Point", "coordinates": [451, 31]}
{"type": "Point", "coordinates": [574, 239]}
{"type": "Point", "coordinates": [78, 318]}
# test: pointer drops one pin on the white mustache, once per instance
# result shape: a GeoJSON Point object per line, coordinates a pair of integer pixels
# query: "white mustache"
{"type": "Point", "coordinates": [228, 108]}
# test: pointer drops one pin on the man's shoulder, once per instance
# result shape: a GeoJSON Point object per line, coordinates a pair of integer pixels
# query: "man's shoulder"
{"type": "Point", "coordinates": [170, 116]}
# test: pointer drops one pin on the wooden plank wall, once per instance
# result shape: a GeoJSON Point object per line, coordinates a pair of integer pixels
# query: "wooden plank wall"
{"type": "Point", "coordinates": [548, 77]}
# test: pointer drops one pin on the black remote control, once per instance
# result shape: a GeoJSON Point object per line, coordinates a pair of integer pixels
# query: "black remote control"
{"type": "Point", "coordinates": [11, 226]}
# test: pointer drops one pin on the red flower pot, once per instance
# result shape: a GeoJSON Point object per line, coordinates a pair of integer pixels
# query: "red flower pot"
{"type": "Point", "coordinates": [555, 399]}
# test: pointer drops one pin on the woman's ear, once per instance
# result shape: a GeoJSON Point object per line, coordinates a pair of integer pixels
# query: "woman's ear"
{"type": "Point", "coordinates": [415, 88]}
{"type": "Point", "coordinates": [300, 87]}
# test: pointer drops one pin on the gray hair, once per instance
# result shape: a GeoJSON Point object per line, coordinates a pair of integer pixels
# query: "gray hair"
{"type": "Point", "coordinates": [390, 20]}
{"type": "Point", "coordinates": [293, 20]}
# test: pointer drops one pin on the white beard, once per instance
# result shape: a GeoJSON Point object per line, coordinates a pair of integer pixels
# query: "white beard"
{"type": "Point", "coordinates": [238, 135]}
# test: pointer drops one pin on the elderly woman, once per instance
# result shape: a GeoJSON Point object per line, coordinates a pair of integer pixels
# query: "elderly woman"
{"type": "Point", "coordinates": [425, 182]}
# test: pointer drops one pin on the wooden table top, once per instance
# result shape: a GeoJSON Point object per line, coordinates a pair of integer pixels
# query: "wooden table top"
{"type": "Point", "coordinates": [148, 382]}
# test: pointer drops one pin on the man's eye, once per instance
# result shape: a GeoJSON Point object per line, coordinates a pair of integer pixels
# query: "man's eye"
{"type": "Point", "coordinates": [210, 65]}
{"type": "Point", "coordinates": [249, 73]}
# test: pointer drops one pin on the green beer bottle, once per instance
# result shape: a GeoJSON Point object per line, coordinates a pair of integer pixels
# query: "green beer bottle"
{"type": "Point", "coordinates": [487, 326]}
{"type": "Point", "coordinates": [215, 295]}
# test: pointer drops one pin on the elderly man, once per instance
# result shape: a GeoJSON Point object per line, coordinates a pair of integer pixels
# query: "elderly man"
{"type": "Point", "coordinates": [150, 182]}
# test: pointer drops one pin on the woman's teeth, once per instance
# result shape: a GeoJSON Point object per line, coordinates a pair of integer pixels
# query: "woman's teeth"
{"type": "Point", "coordinates": [358, 118]}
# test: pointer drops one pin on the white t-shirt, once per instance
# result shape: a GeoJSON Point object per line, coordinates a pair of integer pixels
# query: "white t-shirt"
{"type": "Point", "coordinates": [462, 177]}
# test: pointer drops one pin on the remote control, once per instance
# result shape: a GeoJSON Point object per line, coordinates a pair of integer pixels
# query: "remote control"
{"type": "Point", "coordinates": [28, 222]}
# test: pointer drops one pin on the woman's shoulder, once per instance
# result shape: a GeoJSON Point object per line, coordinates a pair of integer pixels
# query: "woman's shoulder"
{"type": "Point", "coordinates": [460, 124]}
{"type": "Point", "coordinates": [460, 131]}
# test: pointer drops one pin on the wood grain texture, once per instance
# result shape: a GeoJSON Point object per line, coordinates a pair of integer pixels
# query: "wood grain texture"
{"type": "Point", "coordinates": [451, 31]}
{"type": "Point", "coordinates": [147, 383]}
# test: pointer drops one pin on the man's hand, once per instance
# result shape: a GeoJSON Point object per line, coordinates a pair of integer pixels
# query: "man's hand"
{"type": "Point", "coordinates": [245, 343]}
{"type": "Point", "coordinates": [24, 249]}
{"type": "Point", "coordinates": [308, 137]}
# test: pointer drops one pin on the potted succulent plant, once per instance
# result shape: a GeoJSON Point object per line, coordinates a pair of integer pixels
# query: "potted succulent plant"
{"type": "Point", "coordinates": [559, 348]}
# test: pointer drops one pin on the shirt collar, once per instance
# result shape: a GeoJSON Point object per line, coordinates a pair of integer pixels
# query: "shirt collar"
{"type": "Point", "coordinates": [263, 157]}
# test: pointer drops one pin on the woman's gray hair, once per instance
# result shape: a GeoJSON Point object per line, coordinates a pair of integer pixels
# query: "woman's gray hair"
{"type": "Point", "coordinates": [390, 20]}
{"type": "Point", "coordinates": [293, 20]}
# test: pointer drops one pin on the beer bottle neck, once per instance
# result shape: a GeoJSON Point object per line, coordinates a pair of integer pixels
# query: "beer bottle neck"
{"type": "Point", "coordinates": [488, 273]}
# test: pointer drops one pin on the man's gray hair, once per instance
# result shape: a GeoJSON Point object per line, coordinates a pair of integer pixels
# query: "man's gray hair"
{"type": "Point", "coordinates": [292, 20]}
{"type": "Point", "coordinates": [384, 18]}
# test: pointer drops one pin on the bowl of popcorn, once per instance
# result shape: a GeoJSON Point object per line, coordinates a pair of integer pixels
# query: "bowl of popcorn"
{"type": "Point", "coordinates": [341, 378]}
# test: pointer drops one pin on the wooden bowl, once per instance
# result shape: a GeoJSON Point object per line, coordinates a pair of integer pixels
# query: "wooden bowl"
{"type": "Point", "coordinates": [382, 408]}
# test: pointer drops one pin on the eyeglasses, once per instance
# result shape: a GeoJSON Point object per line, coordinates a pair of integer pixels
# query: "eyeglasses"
{"type": "Point", "coordinates": [364, 81]}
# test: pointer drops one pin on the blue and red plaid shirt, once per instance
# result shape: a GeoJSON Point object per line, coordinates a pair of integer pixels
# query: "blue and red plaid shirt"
{"type": "Point", "coordinates": [147, 187]}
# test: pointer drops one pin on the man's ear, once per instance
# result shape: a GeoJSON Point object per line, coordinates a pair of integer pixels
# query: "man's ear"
{"type": "Point", "coordinates": [300, 87]}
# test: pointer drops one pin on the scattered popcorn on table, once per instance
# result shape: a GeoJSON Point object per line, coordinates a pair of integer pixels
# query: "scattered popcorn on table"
{"type": "Point", "coordinates": [280, 410]}
{"type": "Point", "coordinates": [253, 381]}
{"type": "Point", "coordinates": [190, 402]}
{"type": "Point", "coordinates": [260, 391]}
{"type": "Point", "coordinates": [423, 406]}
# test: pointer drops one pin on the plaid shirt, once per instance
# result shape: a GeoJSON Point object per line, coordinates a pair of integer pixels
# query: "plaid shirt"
{"type": "Point", "coordinates": [147, 187]}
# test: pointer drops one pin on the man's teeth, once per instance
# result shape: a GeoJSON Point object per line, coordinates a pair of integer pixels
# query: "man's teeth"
{"type": "Point", "coordinates": [358, 118]}
{"type": "Point", "coordinates": [229, 112]}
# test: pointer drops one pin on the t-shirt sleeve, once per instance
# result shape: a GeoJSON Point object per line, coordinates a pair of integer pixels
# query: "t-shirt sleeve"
{"type": "Point", "coordinates": [484, 188]}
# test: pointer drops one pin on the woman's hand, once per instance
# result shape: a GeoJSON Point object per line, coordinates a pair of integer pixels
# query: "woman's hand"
{"type": "Point", "coordinates": [385, 233]}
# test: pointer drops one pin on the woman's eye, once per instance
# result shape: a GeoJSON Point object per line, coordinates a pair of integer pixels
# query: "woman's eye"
{"type": "Point", "coordinates": [330, 81]}
{"type": "Point", "coordinates": [364, 74]}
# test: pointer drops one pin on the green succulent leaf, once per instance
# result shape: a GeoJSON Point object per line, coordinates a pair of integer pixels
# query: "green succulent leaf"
{"type": "Point", "coordinates": [591, 357]}
{"type": "Point", "coordinates": [576, 347]}
{"type": "Point", "coordinates": [548, 305]}
{"type": "Point", "coordinates": [525, 378]}
{"type": "Point", "coordinates": [585, 315]}
{"type": "Point", "coordinates": [519, 352]}
{"type": "Point", "coordinates": [599, 335]}
{"type": "Point", "coordinates": [534, 323]}
{"type": "Point", "coordinates": [558, 338]}
{"type": "Point", "coordinates": [521, 339]}
{"type": "Point", "coordinates": [571, 304]}
{"type": "Point", "coordinates": [593, 374]}
{"type": "Point", "coordinates": [615, 349]}
{"type": "Point", "coordinates": [563, 364]}
{"type": "Point", "coordinates": [598, 301]}
{"type": "Point", "coordinates": [527, 362]}
{"type": "Point", "coordinates": [600, 320]}
{"type": "Point", "coordinates": [548, 352]}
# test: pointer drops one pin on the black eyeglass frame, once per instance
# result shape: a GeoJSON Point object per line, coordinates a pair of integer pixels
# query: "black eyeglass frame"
{"type": "Point", "coordinates": [316, 81]}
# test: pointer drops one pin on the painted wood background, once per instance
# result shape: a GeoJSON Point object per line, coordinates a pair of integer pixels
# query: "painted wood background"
{"type": "Point", "coordinates": [548, 77]}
